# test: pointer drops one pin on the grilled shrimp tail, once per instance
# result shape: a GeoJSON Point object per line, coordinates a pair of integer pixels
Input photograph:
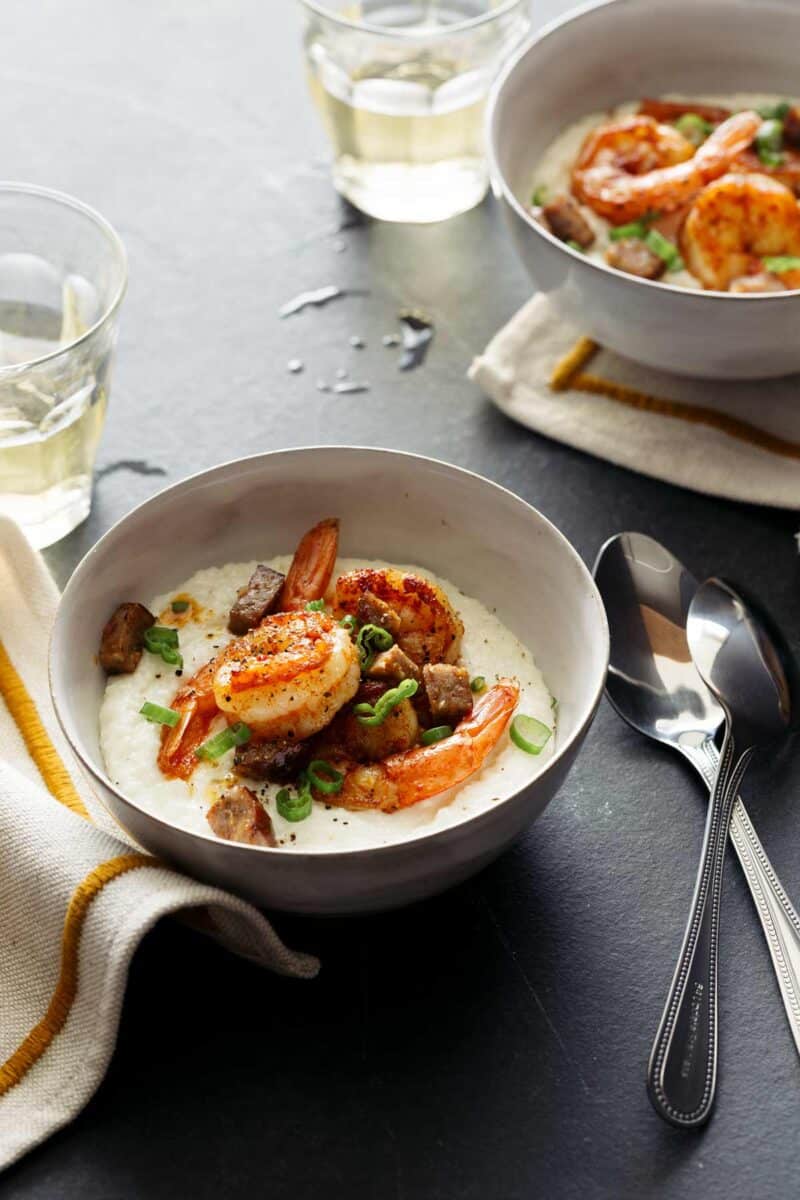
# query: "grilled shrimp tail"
{"type": "Point", "coordinates": [312, 566]}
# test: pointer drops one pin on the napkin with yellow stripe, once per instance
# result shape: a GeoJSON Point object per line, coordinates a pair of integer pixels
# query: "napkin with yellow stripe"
{"type": "Point", "coordinates": [731, 439]}
{"type": "Point", "coordinates": [76, 897]}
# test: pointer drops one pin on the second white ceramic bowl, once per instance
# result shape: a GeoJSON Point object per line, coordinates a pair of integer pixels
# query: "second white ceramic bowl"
{"type": "Point", "coordinates": [392, 506]}
{"type": "Point", "coordinates": [596, 58]}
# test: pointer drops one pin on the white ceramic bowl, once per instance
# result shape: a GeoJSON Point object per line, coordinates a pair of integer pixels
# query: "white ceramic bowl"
{"type": "Point", "coordinates": [598, 57]}
{"type": "Point", "coordinates": [393, 506]}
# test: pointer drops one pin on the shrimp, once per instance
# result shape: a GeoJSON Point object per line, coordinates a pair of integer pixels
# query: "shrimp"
{"type": "Point", "coordinates": [289, 677]}
{"type": "Point", "coordinates": [430, 630]}
{"type": "Point", "coordinates": [312, 566]}
{"type": "Point", "coordinates": [633, 166]}
{"type": "Point", "coordinates": [328, 661]}
{"type": "Point", "coordinates": [414, 775]}
{"type": "Point", "coordinates": [734, 223]}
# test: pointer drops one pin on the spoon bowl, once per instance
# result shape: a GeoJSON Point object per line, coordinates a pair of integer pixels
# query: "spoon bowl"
{"type": "Point", "coordinates": [741, 662]}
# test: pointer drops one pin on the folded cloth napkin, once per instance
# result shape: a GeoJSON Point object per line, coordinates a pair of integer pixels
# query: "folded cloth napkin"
{"type": "Point", "coordinates": [76, 895]}
{"type": "Point", "coordinates": [737, 440]}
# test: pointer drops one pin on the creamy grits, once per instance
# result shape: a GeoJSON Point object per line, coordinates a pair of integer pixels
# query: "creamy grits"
{"type": "Point", "coordinates": [552, 176]}
{"type": "Point", "coordinates": [130, 743]}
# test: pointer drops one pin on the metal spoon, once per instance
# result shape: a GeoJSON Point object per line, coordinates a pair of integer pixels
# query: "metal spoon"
{"type": "Point", "coordinates": [740, 665]}
{"type": "Point", "coordinates": [655, 687]}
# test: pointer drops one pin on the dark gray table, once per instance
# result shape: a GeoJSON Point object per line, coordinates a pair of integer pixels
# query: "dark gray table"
{"type": "Point", "coordinates": [490, 1043]}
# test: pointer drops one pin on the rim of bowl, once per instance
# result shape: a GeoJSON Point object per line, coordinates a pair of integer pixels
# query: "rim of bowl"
{"type": "Point", "coordinates": [584, 718]}
{"type": "Point", "coordinates": [320, 9]}
{"type": "Point", "coordinates": [499, 179]}
{"type": "Point", "coordinates": [118, 249]}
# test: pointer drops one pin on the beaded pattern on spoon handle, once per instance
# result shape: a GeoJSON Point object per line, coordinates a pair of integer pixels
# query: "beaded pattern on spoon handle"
{"type": "Point", "coordinates": [705, 907]}
{"type": "Point", "coordinates": [779, 919]}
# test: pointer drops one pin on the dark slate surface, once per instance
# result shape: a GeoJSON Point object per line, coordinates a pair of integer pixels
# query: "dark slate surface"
{"type": "Point", "coordinates": [490, 1043]}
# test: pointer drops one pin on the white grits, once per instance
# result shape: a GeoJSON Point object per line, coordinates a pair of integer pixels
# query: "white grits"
{"type": "Point", "coordinates": [130, 743]}
{"type": "Point", "coordinates": [554, 169]}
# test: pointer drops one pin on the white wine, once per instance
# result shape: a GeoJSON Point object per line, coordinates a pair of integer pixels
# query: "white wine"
{"type": "Point", "coordinates": [51, 410]}
{"type": "Point", "coordinates": [407, 123]}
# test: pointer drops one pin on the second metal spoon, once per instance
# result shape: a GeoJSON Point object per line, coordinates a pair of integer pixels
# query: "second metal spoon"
{"type": "Point", "coordinates": [655, 687]}
{"type": "Point", "coordinates": [739, 664]}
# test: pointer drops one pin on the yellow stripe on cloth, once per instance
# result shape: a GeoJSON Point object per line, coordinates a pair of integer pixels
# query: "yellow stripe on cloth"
{"type": "Point", "coordinates": [568, 375]}
{"type": "Point", "coordinates": [41, 749]}
{"type": "Point", "coordinates": [34, 1045]}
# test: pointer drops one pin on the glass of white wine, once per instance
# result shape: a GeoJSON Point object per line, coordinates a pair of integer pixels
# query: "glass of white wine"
{"type": "Point", "coordinates": [401, 88]}
{"type": "Point", "coordinates": [62, 278]}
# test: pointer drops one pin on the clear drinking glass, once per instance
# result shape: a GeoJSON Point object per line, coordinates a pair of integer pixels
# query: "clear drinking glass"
{"type": "Point", "coordinates": [62, 277]}
{"type": "Point", "coordinates": [401, 89]}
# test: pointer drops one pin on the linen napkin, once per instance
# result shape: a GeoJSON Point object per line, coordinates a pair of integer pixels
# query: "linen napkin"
{"type": "Point", "coordinates": [736, 440]}
{"type": "Point", "coordinates": [76, 895]}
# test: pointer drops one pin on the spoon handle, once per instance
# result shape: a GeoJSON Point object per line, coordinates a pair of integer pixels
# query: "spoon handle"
{"type": "Point", "coordinates": [779, 919]}
{"type": "Point", "coordinates": [682, 1072]}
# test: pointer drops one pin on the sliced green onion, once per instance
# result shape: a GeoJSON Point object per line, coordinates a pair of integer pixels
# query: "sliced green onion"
{"type": "Point", "coordinates": [370, 640]}
{"type": "Point", "coordinates": [178, 606]}
{"type": "Point", "coordinates": [771, 158]}
{"type": "Point", "coordinates": [775, 112]}
{"type": "Point", "coordinates": [315, 606]}
{"type": "Point", "coordinates": [539, 196]}
{"type": "Point", "coordinates": [324, 777]}
{"type": "Point", "coordinates": [769, 143]}
{"type": "Point", "coordinates": [437, 734]}
{"type": "Point", "coordinates": [375, 714]}
{"type": "Point", "coordinates": [529, 734]}
{"type": "Point", "coordinates": [782, 262]}
{"type": "Point", "coordinates": [693, 127]}
{"type": "Point", "coordinates": [163, 640]}
{"type": "Point", "coordinates": [160, 715]}
{"type": "Point", "coordinates": [478, 684]}
{"type": "Point", "coordinates": [349, 622]}
{"type": "Point", "coordinates": [634, 229]}
{"type": "Point", "coordinates": [214, 747]}
{"type": "Point", "coordinates": [573, 245]}
{"type": "Point", "coordinates": [664, 248]}
{"type": "Point", "coordinates": [295, 806]}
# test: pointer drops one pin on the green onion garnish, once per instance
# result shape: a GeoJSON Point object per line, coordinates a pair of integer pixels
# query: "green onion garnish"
{"type": "Point", "coordinates": [529, 734]}
{"type": "Point", "coordinates": [437, 734]}
{"type": "Point", "coordinates": [315, 606]}
{"type": "Point", "coordinates": [324, 777]}
{"type": "Point", "coordinates": [539, 196]}
{"type": "Point", "coordinates": [782, 262]}
{"type": "Point", "coordinates": [573, 245]}
{"type": "Point", "coordinates": [295, 806]}
{"type": "Point", "coordinates": [376, 714]}
{"type": "Point", "coordinates": [349, 622]}
{"type": "Point", "coordinates": [693, 127]}
{"type": "Point", "coordinates": [160, 715]}
{"type": "Point", "coordinates": [775, 112]}
{"type": "Point", "coordinates": [162, 640]}
{"type": "Point", "coordinates": [178, 606]}
{"type": "Point", "coordinates": [635, 229]}
{"type": "Point", "coordinates": [769, 143]}
{"type": "Point", "coordinates": [214, 747]}
{"type": "Point", "coordinates": [370, 640]}
{"type": "Point", "coordinates": [478, 684]}
{"type": "Point", "coordinates": [664, 248]}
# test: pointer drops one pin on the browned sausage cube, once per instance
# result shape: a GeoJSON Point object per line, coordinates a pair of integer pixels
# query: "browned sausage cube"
{"type": "Point", "coordinates": [567, 222]}
{"type": "Point", "coordinates": [791, 126]}
{"type": "Point", "coordinates": [448, 691]}
{"type": "Point", "coordinates": [256, 599]}
{"type": "Point", "coordinates": [373, 611]}
{"type": "Point", "coordinates": [280, 761]}
{"type": "Point", "coordinates": [122, 638]}
{"type": "Point", "coordinates": [239, 817]}
{"type": "Point", "coordinates": [394, 665]}
{"type": "Point", "coordinates": [635, 258]}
